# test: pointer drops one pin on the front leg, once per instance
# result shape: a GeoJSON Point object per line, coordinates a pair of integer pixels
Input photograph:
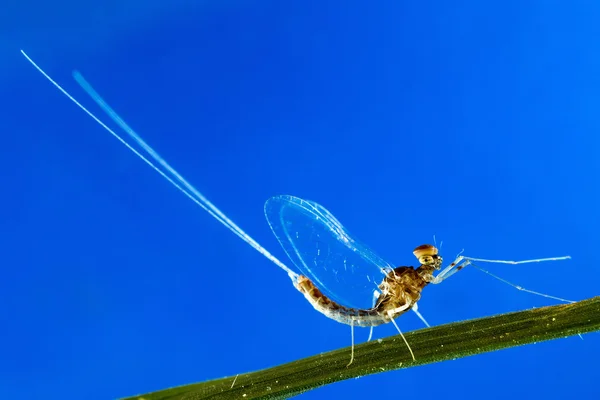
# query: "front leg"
{"type": "Point", "coordinates": [451, 269]}
{"type": "Point", "coordinates": [462, 261]}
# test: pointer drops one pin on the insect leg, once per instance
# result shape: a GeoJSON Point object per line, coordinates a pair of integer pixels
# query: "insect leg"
{"type": "Point", "coordinates": [520, 287]}
{"type": "Point", "coordinates": [352, 335]}
{"type": "Point", "coordinates": [451, 269]}
{"type": "Point", "coordinates": [519, 262]}
{"type": "Point", "coordinates": [376, 295]}
{"type": "Point", "coordinates": [462, 261]}
{"type": "Point", "coordinates": [415, 309]}
{"type": "Point", "coordinates": [403, 338]}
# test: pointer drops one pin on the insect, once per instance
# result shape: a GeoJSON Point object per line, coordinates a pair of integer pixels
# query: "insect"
{"type": "Point", "coordinates": [341, 278]}
{"type": "Point", "coordinates": [340, 275]}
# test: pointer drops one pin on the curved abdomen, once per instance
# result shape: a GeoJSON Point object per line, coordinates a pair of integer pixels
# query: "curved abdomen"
{"type": "Point", "coordinates": [381, 314]}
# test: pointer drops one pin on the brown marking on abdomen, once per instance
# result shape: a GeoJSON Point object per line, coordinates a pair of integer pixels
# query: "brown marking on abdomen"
{"type": "Point", "coordinates": [400, 290]}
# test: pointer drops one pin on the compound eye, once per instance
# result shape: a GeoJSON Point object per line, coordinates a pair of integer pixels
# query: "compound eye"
{"type": "Point", "coordinates": [426, 260]}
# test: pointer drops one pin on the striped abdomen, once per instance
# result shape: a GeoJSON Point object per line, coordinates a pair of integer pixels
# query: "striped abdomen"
{"type": "Point", "coordinates": [400, 290]}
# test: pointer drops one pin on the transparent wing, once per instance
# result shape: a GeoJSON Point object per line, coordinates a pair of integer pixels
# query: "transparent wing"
{"type": "Point", "coordinates": [323, 250]}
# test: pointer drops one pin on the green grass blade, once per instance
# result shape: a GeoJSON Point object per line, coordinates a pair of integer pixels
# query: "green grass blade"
{"type": "Point", "coordinates": [430, 345]}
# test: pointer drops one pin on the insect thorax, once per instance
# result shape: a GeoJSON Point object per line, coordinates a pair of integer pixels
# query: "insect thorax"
{"type": "Point", "coordinates": [400, 288]}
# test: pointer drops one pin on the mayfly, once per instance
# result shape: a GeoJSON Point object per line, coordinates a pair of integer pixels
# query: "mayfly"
{"type": "Point", "coordinates": [348, 282]}
{"type": "Point", "coordinates": [339, 276]}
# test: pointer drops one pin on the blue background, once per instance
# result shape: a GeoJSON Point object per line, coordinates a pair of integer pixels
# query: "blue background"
{"type": "Point", "coordinates": [474, 122]}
